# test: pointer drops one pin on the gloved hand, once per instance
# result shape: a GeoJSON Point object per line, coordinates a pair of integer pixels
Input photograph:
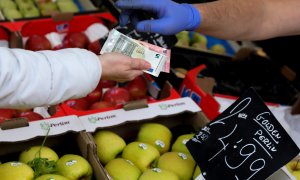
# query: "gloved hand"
{"type": "Point", "coordinates": [170, 19]}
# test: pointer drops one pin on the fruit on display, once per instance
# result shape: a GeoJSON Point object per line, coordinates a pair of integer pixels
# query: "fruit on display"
{"type": "Point", "coordinates": [109, 145]}
{"type": "Point", "coordinates": [198, 38]}
{"type": "Point", "coordinates": [31, 116]}
{"type": "Point", "coordinates": [101, 105]}
{"type": "Point", "coordinates": [80, 104]}
{"type": "Point", "coordinates": [73, 166]}
{"type": "Point", "coordinates": [294, 168]}
{"type": "Point", "coordinates": [179, 163]}
{"type": "Point", "coordinates": [183, 39]}
{"type": "Point", "coordinates": [67, 6]}
{"type": "Point", "coordinates": [160, 136]}
{"type": "Point", "coordinates": [143, 155]}
{"type": "Point", "coordinates": [75, 40]}
{"type": "Point", "coordinates": [120, 169]}
{"type": "Point", "coordinates": [196, 172]}
{"type": "Point", "coordinates": [48, 8]}
{"type": "Point", "coordinates": [38, 43]}
{"type": "Point", "coordinates": [11, 14]}
{"type": "Point", "coordinates": [218, 48]}
{"type": "Point", "coordinates": [30, 12]}
{"type": "Point", "coordinates": [33, 152]}
{"type": "Point", "coordinates": [94, 96]}
{"type": "Point", "coordinates": [95, 47]}
{"type": "Point", "coordinates": [159, 174]}
{"type": "Point", "coordinates": [107, 84]}
{"type": "Point", "coordinates": [7, 4]}
{"type": "Point", "coordinates": [179, 144]}
{"type": "Point", "coordinates": [51, 177]}
{"type": "Point", "coordinates": [137, 88]}
{"type": "Point", "coordinates": [117, 95]}
{"type": "Point", "coordinates": [16, 170]}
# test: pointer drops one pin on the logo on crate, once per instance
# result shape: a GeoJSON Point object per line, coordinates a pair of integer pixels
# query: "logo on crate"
{"type": "Point", "coordinates": [189, 93]}
{"type": "Point", "coordinates": [62, 27]}
{"type": "Point", "coordinates": [167, 106]}
{"type": "Point", "coordinates": [46, 126]}
{"type": "Point", "coordinates": [95, 119]}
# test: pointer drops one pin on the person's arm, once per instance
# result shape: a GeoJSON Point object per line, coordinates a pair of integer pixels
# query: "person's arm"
{"type": "Point", "coordinates": [250, 20]}
{"type": "Point", "coordinates": [225, 19]}
{"type": "Point", "coordinates": [32, 79]}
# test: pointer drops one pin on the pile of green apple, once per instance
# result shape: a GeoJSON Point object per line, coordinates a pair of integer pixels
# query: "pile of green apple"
{"type": "Point", "coordinates": [153, 155]}
{"type": "Point", "coordinates": [294, 168]}
{"type": "Point", "coordinates": [197, 41]}
{"type": "Point", "coordinates": [17, 9]}
{"type": "Point", "coordinates": [43, 163]}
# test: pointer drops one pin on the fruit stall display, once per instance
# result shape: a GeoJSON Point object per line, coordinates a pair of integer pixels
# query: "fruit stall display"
{"type": "Point", "coordinates": [23, 9]}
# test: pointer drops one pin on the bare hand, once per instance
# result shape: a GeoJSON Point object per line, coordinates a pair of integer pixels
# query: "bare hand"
{"type": "Point", "coordinates": [121, 68]}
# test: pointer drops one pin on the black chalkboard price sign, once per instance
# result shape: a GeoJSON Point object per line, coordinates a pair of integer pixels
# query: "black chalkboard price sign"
{"type": "Point", "coordinates": [245, 142]}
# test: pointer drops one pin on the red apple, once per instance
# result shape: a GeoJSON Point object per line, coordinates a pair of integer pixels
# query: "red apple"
{"type": "Point", "coordinates": [137, 88]}
{"type": "Point", "coordinates": [95, 47]}
{"type": "Point", "coordinates": [116, 95]}
{"type": "Point", "coordinates": [101, 105]}
{"type": "Point", "coordinates": [78, 104]}
{"type": "Point", "coordinates": [6, 114]}
{"type": "Point", "coordinates": [94, 96]}
{"type": "Point", "coordinates": [38, 43]}
{"type": "Point", "coordinates": [75, 40]}
{"type": "Point", "coordinates": [106, 84]}
{"type": "Point", "coordinates": [31, 116]}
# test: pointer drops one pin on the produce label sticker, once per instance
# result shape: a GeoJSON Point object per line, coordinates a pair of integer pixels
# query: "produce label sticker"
{"type": "Point", "coordinates": [245, 142]}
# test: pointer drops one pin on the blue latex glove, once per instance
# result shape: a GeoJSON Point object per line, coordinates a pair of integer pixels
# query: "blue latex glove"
{"type": "Point", "coordinates": [170, 19]}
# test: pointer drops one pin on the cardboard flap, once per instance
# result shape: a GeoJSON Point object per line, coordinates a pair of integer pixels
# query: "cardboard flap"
{"type": "Point", "coordinates": [62, 17]}
{"type": "Point", "coordinates": [138, 104]}
{"type": "Point", "coordinates": [14, 123]}
{"type": "Point", "coordinates": [206, 84]}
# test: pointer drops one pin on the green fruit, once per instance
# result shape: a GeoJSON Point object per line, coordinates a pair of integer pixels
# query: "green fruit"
{"type": "Point", "coordinates": [74, 167]}
{"type": "Point", "coordinates": [11, 14]}
{"type": "Point", "coordinates": [7, 4]}
{"type": "Point", "coordinates": [67, 6]}
{"type": "Point", "coordinates": [199, 46]}
{"type": "Point", "coordinates": [141, 154]}
{"type": "Point", "coordinates": [33, 152]}
{"type": "Point", "coordinates": [196, 172]}
{"type": "Point", "coordinates": [199, 38]}
{"type": "Point", "coordinates": [179, 144]}
{"type": "Point", "coordinates": [51, 177]}
{"type": "Point", "coordinates": [179, 163]}
{"type": "Point", "coordinates": [157, 135]}
{"type": "Point", "coordinates": [109, 145]}
{"type": "Point", "coordinates": [16, 171]}
{"type": "Point", "coordinates": [218, 48]}
{"type": "Point", "coordinates": [30, 12]}
{"type": "Point", "coordinates": [158, 174]}
{"type": "Point", "coordinates": [48, 9]}
{"type": "Point", "coordinates": [120, 169]}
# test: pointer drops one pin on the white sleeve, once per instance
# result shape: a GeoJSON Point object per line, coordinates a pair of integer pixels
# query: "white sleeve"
{"type": "Point", "coordinates": [33, 79]}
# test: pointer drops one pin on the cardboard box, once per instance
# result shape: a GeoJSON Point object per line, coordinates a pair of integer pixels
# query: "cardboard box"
{"type": "Point", "coordinates": [180, 115]}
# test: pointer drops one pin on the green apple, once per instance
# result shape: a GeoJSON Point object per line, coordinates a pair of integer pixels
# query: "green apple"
{"type": "Point", "coordinates": [157, 135]}
{"type": "Point", "coordinates": [196, 172]}
{"type": "Point", "coordinates": [7, 4]}
{"type": "Point", "coordinates": [48, 9]}
{"type": "Point", "coordinates": [74, 167]}
{"type": "Point", "coordinates": [294, 168]}
{"type": "Point", "coordinates": [158, 174]}
{"type": "Point", "coordinates": [179, 144]}
{"type": "Point", "coordinates": [141, 154]}
{"type": "Point", "coordinates": [30, 12]}
{"type": "Point", "coordinates": [179, 163]}
{"type": "Point", "coordinates": [199, 38]}
{"type": "Point", "coordinates": [198, 45]}
{"type": "Point", "coordinates": [218, 48]}
{"type": "Point", "coordinates": [16, 171]}
{"type": "Point", "coordinates": [183, 38]}
{"type": "Point", "coordinates": [11, 14]}
{"type": "Point", "coordinates": [67, 6]}
{"type": "Point", "coordinates": [120, 169]}
{"type": "Point", "coordinates": [109, 145]}
{"type": "Point", "coordinates": [52, 177]}
{"type": "Point", "coordinates": [38, 152]}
